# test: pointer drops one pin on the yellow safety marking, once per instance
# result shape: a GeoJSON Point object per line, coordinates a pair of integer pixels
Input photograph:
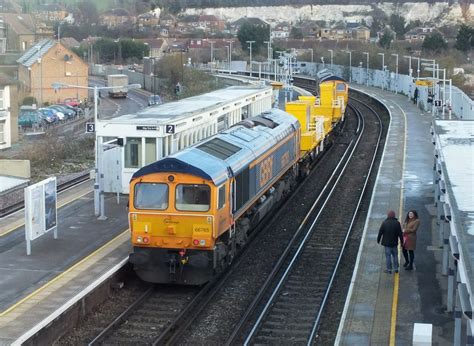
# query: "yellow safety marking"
{"type": "Point", "coordinates": [67, 271]}
{"type": "Point", "coordinates": [22, 223]}
{"type": "Point", "coordinates": [396, 284]}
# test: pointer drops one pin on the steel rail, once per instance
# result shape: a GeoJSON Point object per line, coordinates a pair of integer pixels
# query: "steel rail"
{"type": "Point", "coordinates": [276, 290]}
{"type": "Point", "coordinates": [289, 247]}
{"type": "Point", "coordinates": [13, 208]}
{"type": "Point", "coordinates": [359, 202]}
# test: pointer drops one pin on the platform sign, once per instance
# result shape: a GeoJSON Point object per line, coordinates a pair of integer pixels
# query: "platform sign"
{"type": "Point", "coordinates": [40, 210]}
{"type": "Point", "coordinates": [170, 129]}
{"type": "Point", "coordinates": [90, 127]}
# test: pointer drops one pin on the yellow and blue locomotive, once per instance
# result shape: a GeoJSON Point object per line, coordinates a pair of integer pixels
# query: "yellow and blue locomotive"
{"type": "Point", "coordinates": [190, 212]}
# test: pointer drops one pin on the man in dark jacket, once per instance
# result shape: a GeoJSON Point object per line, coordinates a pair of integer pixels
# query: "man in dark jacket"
{"type": "Point", "coordinates": [390, 232]}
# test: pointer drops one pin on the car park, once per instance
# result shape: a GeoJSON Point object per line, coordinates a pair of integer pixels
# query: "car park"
{"type": "Point", "coordinates": [154, 100]}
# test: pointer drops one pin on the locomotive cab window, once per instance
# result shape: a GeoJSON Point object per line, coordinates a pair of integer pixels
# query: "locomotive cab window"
{"type": "Point", "coordinates": [196, 197]}
{"type": "Point", "coordinates": [221, 202]}
{"type": "Point", "coordinates": [151, 196]}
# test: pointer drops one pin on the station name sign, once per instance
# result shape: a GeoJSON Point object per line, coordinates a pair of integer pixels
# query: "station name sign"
{"type": "Point", "coordinates": [147, 128]}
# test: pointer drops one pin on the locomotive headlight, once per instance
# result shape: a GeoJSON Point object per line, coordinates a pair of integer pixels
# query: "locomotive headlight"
{"type": "Point", "coordinates": [139, 239]}
{"type": "Point", "coordinates": [170, 178]}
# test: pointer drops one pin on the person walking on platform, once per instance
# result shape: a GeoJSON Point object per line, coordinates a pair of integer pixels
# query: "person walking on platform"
{"type": "Point", "coordinates": [389, 233]}
{"type": "Point", "coordinates": [410, 226]}
{"type": "Point", "coordinates": [415, 96]}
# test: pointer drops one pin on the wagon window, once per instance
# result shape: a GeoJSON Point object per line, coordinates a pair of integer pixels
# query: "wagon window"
{"type": "Point", "coordinates": [151, 196]}
{"type": "Point", "coordinates": [193, 197]}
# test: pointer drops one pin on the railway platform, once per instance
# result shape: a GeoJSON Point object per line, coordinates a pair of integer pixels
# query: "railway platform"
{"type": "Point", "coordinates": [36, 289]}
{"type": "Point", "coordinates": [382, 308]}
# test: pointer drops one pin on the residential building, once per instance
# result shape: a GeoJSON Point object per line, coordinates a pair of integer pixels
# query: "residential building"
{"type": "Point", "coordinates": [420, 33]}
{"type": "Point", "coordinates": [3, 36]}
{"type": "Point", "coordinates": [157, 46]}
{"type": "Point", "coordinates": [20, 31]}
{"type": "Point", "coordinates": [147, 20]}
{"type": "Point", "coordinates": [49, 62]}
{"type": "Point", "coordinates": [168, 20]}
{"type": "Point", "coordinates": [281, 30]}
{"type": "Point", "coordinates": [8, 112]}
{"type": "Point", "coordinates": [51, 13]}
{"type": "Point", "coordinates": [211, 23]}
{"type": "Point", "coordinates": [70, 42]}
{"type": "Point", "coordinates": [361, 33]}
{"type": "Point", "coordinates": [235, 26]}
{"type": "Point", "coordinates": [116, 17]}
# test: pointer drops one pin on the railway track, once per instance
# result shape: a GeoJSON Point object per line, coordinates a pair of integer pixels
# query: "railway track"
{"type": "Point", "coordinates": [13, 208]}
{"type": "Point", "coordinates": [289, 306]}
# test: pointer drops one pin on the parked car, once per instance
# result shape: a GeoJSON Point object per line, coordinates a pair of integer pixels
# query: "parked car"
{"type": "Point", "coordinates": [58, 114]}
{"type": "Point", "coordinates": [29, 117]}
{"type": "Point", "coordinates": [67, 112]}
{"type": "Point", "coordinates": [48, 116]}
{"type": "Point", "coordinates": [72, 101]}
{"type": "Point", "coordinates": [76, 110]}
{"type": "Point", "coordinates": [154, 100]}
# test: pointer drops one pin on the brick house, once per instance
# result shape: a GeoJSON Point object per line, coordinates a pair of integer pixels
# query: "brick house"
{"type": "Point", "coordinates": [20, 31]}
{"type": "Point", "coordinates": [361, 33]}
{"type": "Point", "coordinates": [48, 62]}
{"type": "Point", "coordinates": [281, 30]}
{"type": "Point", "coordinates": [420, 33]}
{"type": "Point", "coordinates": [211, 23]}
{"type": "Point", "coordinates": [147, 20]}
{"type": "Point", "coordinates": [51, 13]}
{"type": "Point", "coordinates": [116, 17]}
{"type": "Point", "coordinates": [157, 46]}
{"type": "Point", "coordinates": [8, 112]}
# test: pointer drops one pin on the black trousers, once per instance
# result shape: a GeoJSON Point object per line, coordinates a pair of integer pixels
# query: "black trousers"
{"type": "Point", "coordinates": [405, 255]}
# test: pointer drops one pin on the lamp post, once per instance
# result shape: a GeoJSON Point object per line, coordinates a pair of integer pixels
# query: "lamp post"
{"type": "Point", "coordinates": [367, 77]}
{"type": "Point", "coordinates": [332, 58]}
{"type": "Point", "coordinates": [230, 53]}
{"type": "Point", "coordinates": [228, 57]}
{"type": "Point", "coordinates": [212, 54]}
{"type": "Point", "coordinates": [41, 77]}
{"type": "Point", "coordinates": [383, 68]}
{"type": "Point", "coordinates": [98, 194]}
{"type": "Point", "coordinates": [409, 64]}
{"type": "Point", "coordinates": [350, 65]}
{"type": "Point", "coordinates": [396, 72]}
{"type": "Point", "coordinates": [250, 57]}
{"type": "Point", "coordinates": [418, 67]}
{"type": "Point", "coordinates": [269, 44]}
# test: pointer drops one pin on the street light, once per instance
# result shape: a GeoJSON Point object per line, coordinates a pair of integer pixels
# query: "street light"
{"type": "Point", "coordinates": [332, 58]}
{"type": "Point", "coordinates": [250, 58]}
{"type": "Point", "coordinates": [41, 76]}
{"type": "Point", "coordinates": [418, 68]}
{"type": "Point", "coordinates": [409, 64]}
{"type": "Point", "coordinates": [396, 71]}
{"type": "Point", "coordinates": [383, 68]}
{"type": "Point", "coordinates": [269, 44]}
{"type": "Point", "coordinates": [230, 53]}
{"type": "Point", "coordinates": [350, 65]}
{"type": "Point", "coordinates": [228, 57]}
{"type": "Point", "coordinates": [212, 54]}
{"type": "Point", "coordinates": [367, 53]}
{"type": "Point", "coordinates": [98, 194]}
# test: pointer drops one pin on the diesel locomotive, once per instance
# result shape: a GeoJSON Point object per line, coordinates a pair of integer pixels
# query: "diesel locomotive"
{"type": "Point", "coordinates": [191, 212]}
